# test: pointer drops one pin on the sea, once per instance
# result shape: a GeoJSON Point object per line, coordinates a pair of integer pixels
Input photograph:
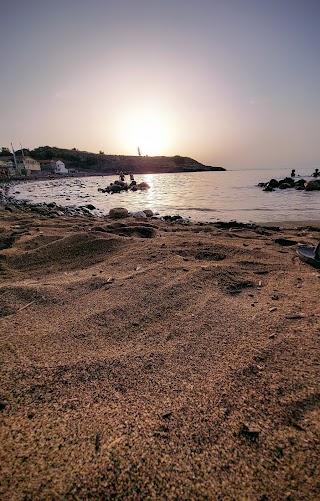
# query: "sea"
{"type": "Point", "coordinates": [199, 196]}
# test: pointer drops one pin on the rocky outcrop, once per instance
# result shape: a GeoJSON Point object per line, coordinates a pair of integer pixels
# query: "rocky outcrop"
{"type": "Point", "coordinates": [119, 186]}
{"type": "Point", "coordinates": [313, 185]}
{"type": "Point", "coordinates": [289, 182]}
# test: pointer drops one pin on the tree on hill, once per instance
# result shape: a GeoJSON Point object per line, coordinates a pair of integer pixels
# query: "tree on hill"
{"type": "Point", "coordinates": [42, 153]}
{"type": "Point", "coordinates": [5, 152]}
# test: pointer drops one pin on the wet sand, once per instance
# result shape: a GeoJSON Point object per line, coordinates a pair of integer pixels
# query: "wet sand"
{"type": "Point", "coordinates": [146, 360]}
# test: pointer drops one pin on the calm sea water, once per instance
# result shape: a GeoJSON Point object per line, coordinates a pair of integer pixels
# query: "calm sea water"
{"type": "Point", "coordinates": [201, 196]}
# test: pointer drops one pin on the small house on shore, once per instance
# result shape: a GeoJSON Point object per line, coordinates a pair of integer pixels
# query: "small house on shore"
{"type": "Point", "coordinates": [60, 168]}
{"type": "Point", "coordinates": [27, 166]}
{"type": "Point", "coordinates": [54, 166]}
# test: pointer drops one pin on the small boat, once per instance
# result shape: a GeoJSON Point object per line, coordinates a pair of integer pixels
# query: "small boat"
{"type": "Point", "coordinates": [310, 255]}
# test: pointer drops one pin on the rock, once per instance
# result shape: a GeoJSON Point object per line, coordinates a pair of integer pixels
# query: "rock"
{"type": "Point", "coordinates": [285, 242]}
{"type": "Point", "coordinates": [118, 213]}
{"type": "Point", "coordinates": [313, 185]}
{"type": "Point", "coordinates": [171, 219]}
{"type": "Point", "coordinates": [284, 186]}
{"type": "Point", "coordinates": [140, 214]}
{"type": "Point", "coordinates": [148, 212]}
{"type": "Point", "coordinates": [300, 183]}
{"type": "Point", "coordinates": [287, 180]}
{"type": "Point", "coordinates": [90, 206]}
{"type": "Point", "coordinates": [113, 188]}
{"type": "Point", "coordinates": [273, 183]}
{"type": "Point", "coordinates": [250, 432]}
{"type": "Point", "coordinates": [143, 186]}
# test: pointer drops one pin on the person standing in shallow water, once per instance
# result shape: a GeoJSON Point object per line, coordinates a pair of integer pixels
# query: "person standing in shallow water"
{"type": "Point", "coordinates": [131, 177]}
{"type": "Point", "coordinates": [293, 173]}
{"type": "Point", "coordinates": [316, 173]}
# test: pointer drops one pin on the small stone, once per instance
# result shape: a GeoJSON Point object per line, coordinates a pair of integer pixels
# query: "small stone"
{"type": "Point", "coordinates": [272, 336]}
{"type": "Point", "coordinates": [295, 316]}
{"type": "Point", "coordinates": [148, 212]}
{"type": "Point", "coordinates": [250, 432]}
{"type": "Point", "coordinates": [2, 405]}
{"type": "Point", "coordinates": [118, 213]}
{"type": "Point", "coordinates": [275, 297]}
{"type": "Point", "coordinates": [273, 308]}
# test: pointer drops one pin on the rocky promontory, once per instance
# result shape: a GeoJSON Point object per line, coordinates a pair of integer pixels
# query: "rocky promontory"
{"type": "Point", "coordinates": [101, 163]}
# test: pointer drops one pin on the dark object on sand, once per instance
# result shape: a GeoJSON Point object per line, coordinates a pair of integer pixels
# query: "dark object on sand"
{"type": "Point", "coordinates": [310, 255]}
{"type": "Point", "coordinates": [285, 242]}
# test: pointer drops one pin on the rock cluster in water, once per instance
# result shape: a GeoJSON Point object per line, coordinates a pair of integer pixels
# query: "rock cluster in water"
{"type": "Point", "coordinates": [119, 186]}
{"type": "Point", "coordinates": [289, 182]}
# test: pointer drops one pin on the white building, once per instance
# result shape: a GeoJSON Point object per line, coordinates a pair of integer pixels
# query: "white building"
{"type": "Point", "coordinates": [59, 167]}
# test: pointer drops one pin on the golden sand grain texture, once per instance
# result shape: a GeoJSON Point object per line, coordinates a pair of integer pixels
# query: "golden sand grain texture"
{"type": "Point", "coordinates": [146, 360]}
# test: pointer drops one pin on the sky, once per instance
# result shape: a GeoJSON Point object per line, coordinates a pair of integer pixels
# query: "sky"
{"type": "Point", "coordinates": [234, 83]}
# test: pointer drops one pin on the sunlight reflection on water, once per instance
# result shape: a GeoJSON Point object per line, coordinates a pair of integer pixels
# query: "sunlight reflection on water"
{"type": "Point", "coordinates": [203, 196]}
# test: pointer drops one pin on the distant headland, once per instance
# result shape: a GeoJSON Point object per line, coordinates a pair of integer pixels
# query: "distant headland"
{"type": "Point", "coordinates": [76, 161]}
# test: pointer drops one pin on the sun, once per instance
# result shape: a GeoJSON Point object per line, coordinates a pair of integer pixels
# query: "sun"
{"type": "Point", "coordinates": [147, 130]}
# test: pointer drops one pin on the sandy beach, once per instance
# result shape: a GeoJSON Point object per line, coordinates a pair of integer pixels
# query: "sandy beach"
{"type": "Point", "coordinates": [147, 360]}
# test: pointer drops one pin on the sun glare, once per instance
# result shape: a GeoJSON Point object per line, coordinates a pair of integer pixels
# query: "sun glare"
{"type": "Point", "coordinates": [148, 131]}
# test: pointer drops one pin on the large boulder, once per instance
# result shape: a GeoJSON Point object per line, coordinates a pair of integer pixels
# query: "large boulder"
{"type": "Point", "coordinates": [299, 184]}
{"type": "Point", "coordinates": [287, 182]}
{"type": "Point", "coordinates": [273, 183]}
{"type": "Point", "coordinates": [312, 185]}
{"type": "Point", "coordinates": [118, 213]}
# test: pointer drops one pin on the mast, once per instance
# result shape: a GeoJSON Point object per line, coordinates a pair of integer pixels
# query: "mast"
{"type": "Point", "coordinates": [14, 158]}
{"type": "Point", "coordinates": [24, 165]}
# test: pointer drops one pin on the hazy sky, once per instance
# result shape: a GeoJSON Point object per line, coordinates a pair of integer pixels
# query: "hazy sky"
{"type": "Point", "coordinates": [228, 82]}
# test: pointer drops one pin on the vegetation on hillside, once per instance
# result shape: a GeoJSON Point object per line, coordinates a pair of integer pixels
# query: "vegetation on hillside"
{"type": "Point", "coordinates": [99, 162]}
